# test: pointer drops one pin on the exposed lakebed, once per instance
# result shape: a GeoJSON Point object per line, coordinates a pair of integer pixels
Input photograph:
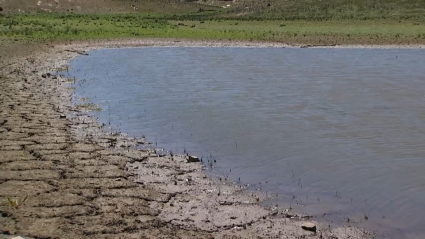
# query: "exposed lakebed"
{"type": "Point", "coordinates": [335, 131]}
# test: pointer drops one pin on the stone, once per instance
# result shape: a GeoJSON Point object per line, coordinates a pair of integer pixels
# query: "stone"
{"type": "Point", "coordinates": [274, 211]}
{"type": "Point", "coordinates": [19, 237]}
{"type": "Point", "coordinates": [309, 226]}
{"type": "Point", "coordinates": [3, 122]}
{"type": "Point", "coordinates": [192, 159]}
{"type": "Point", "coordinates": [46, 75]}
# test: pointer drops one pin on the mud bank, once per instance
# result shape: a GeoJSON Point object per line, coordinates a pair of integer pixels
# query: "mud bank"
{"type": "Point", "coordinates": [97, 44]}
{"type": "Point", "coordinates": [80, 180]}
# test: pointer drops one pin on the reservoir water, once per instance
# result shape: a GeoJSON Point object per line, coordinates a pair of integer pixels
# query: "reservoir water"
{"type": "Point", "coordinates": [336, 133]}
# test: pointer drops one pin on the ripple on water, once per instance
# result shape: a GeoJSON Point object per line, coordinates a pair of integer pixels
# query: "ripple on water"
{"type": "Point", "coordinates": [338, 130]}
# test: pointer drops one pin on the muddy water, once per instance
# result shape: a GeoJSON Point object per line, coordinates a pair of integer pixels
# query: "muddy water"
{"type": "Point", "coordinates": [335, 131]}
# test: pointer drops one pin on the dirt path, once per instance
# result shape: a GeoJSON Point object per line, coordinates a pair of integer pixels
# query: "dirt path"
{"type": "Point", "coordinates": [83, 181]}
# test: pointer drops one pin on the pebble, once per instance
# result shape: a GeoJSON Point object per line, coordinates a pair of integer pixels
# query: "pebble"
{"type": "Point", "coordinates": [193, 159]}
{"type": "Point", "coordinates": [309, 226]}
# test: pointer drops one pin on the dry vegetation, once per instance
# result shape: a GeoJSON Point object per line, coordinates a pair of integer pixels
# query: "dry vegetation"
{"type": "Point", "coordinates": [245, 9]}
{"type": "Point", "coordinates": [332, 9]}
{"type": "Point", "coordinates": [96, 6]}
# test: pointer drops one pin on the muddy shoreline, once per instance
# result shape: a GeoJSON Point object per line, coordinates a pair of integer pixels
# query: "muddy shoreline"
{"type": "Point", "coordinates": [82, 180]}
{"type": "Point", "coordinates": [158, 42]}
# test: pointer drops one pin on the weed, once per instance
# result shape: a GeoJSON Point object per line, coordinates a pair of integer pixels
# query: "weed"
{"type": "Point", "coordinates": [15, 203]}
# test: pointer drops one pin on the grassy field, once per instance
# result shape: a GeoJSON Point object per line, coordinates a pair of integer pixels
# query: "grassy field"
{"type": "Point", "coordinates": [248, 9]}
{"type": "Point", "coordinates": [61, 26]}
{"type": "Point", "coordinates": [317, 22]}
{"type": "Point", "coordinates": [332, 9]}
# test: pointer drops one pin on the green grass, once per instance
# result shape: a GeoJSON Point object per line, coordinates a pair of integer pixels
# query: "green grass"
{"type": "Point", "coordinates": [47, 27]}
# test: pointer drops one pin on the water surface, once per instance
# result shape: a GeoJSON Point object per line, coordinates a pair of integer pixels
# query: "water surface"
{"type": "Point", "coordinates": [337, 131]}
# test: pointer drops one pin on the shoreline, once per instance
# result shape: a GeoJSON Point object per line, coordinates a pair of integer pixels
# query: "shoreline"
{"type": "Point", "coordinates": [85, 181]}
{"type": "Point", "coordinates": [89, 45]}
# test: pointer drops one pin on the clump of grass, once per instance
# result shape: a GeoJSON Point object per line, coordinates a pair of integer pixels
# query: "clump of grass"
{"type": "Point", "coordinates": [16, 203]}
{"type": "Point", "coordinates": [63, 69]}
{"type": "Point", "coordinates": [89, 106]}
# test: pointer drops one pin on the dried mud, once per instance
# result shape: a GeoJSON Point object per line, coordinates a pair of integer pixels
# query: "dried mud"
{"type": "Point", "coordinates": [84, 181]}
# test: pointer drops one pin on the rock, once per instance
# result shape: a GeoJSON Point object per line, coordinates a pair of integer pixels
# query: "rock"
{"type": "Point", "coordinates": [47, 75]}
{"type": "Point", "coordinates": [18, 237]}
{"type": "Point", "coordinates": [2, 123]}
{"type": "Point", "coordinates": [192, 159]}
{"type": "Point", "coordinates": [62, 116]}
{"type": "Point", "coordinates": [309, 226]}
{"type": "Point", "coordinates": [274, 211]}
{"type": "Point", "coordinates": [162, 154]}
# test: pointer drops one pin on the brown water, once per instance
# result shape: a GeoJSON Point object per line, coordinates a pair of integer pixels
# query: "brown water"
{"type": "Point", "coordinates": [337, 131]}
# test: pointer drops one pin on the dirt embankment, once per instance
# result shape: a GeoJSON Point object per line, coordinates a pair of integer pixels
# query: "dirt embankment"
{"type": "Point", "coordinates": [82, 181]}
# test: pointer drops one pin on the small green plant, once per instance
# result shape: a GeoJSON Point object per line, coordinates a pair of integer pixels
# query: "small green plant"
{"type": "Point", "coordinates": [15, 203]}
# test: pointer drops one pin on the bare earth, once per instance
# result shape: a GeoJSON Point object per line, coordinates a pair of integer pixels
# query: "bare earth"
{"type": "Point", "coordinates": [84, 181]}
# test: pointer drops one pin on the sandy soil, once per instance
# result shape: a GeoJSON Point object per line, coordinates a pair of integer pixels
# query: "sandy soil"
{"type": "Point", "coordinates": [84, 181]}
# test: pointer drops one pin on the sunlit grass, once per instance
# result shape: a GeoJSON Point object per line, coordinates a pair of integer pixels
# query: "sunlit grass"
{"type": "Point", "coordinates": [41, 27]}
